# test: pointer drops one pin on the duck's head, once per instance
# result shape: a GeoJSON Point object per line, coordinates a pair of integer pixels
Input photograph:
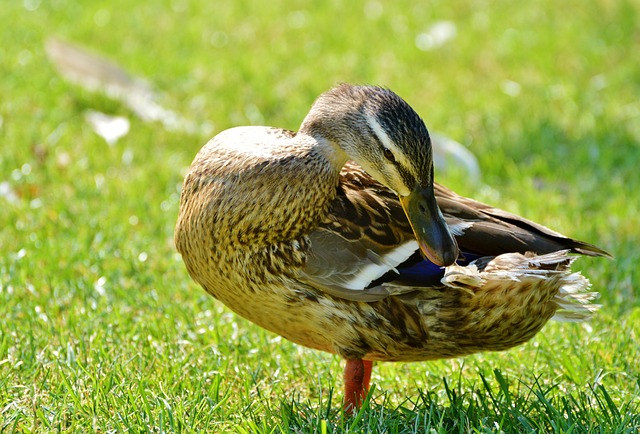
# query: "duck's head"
{"type": "Point", "coordinates": [377, 129]}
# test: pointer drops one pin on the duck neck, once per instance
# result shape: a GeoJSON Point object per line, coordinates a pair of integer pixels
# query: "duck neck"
{"type": "Point", "coordinates": [324, 149]}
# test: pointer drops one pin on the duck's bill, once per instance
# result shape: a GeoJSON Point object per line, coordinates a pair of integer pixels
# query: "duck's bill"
{"type": "Point", "coordinates": [429, 227]}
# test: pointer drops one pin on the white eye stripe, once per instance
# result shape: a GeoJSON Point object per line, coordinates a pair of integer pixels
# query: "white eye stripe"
{"type": "Point", "coordinates": [385, 140]}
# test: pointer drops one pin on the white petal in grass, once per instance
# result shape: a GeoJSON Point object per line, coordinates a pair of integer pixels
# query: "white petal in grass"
{"type": "Point", "coordinates": [510, 88]}
{"type": "Point", "coordinates": [8, 193]}
{"type": "Point", "coordinates": [99, 180]}
{"type": "Point", "coordinates": [41, 314]}
{"type": "Point", "coordinates": [127, 157]}
{"type": "Point", "coordinates": [99, 286]}
{"type": "Point", "coordinates": [436, 35]}
{"type": "Point", "coordinates": [110, 128]}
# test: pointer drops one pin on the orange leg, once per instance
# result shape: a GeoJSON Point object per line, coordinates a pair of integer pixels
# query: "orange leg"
{"type": "Point", "coordinates": [357, 376]}
{"type": "Point", "coordinates": [368, 365]}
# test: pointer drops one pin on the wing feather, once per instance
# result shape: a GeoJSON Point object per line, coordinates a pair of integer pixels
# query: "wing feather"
{"type": "Point", "coordinates": [365, 250]}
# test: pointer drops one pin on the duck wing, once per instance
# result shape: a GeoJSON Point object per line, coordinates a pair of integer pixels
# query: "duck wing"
{"type": "Point", "coordinates": [365, 250]}
{"type": "Point", "coordinates": [364, 236]}
{"type": "Point", "coordinates": [492, 231]}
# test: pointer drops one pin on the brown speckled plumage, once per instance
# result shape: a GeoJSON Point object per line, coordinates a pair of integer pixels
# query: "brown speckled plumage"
{"type": "Point", "coordinates": [284, 231]}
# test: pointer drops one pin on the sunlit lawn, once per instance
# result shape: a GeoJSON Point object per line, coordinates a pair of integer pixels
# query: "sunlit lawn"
{"type": "Point", "coordinates": [101, 330]}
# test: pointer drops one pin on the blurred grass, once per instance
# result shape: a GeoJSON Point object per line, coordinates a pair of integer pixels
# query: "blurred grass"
{"type": "Point", "coordinates": [101, 328]}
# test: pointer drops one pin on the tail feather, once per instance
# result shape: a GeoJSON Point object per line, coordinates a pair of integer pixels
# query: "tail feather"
{"type": "Point", "coordinates": [573, 298]}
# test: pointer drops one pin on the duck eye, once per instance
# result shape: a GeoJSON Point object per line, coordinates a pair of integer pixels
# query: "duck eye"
{"type": "Point", "coordinates": [389, 155]}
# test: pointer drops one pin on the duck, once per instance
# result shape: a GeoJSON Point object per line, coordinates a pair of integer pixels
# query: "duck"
{"type": "Point", "coordinates": [337, 238]}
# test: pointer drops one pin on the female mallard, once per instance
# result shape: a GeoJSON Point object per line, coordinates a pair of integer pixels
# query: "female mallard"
{"type": "Point", "coordinates": [287, 233]}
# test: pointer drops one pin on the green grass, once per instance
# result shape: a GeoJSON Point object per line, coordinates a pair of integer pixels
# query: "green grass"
{"type": "Point", "coordinates": [101, 330]}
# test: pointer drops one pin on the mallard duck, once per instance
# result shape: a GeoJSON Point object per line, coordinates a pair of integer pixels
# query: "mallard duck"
{"type": "Point", "coordinates": [337, 238]}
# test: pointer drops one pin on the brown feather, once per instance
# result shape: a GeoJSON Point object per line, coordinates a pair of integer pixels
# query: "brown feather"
{"type": "Point", "coordinates": [363, 208]}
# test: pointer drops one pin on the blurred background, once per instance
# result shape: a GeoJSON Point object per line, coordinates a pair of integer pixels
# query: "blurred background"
{"type": "Point", "coordinates": [546, 96]}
